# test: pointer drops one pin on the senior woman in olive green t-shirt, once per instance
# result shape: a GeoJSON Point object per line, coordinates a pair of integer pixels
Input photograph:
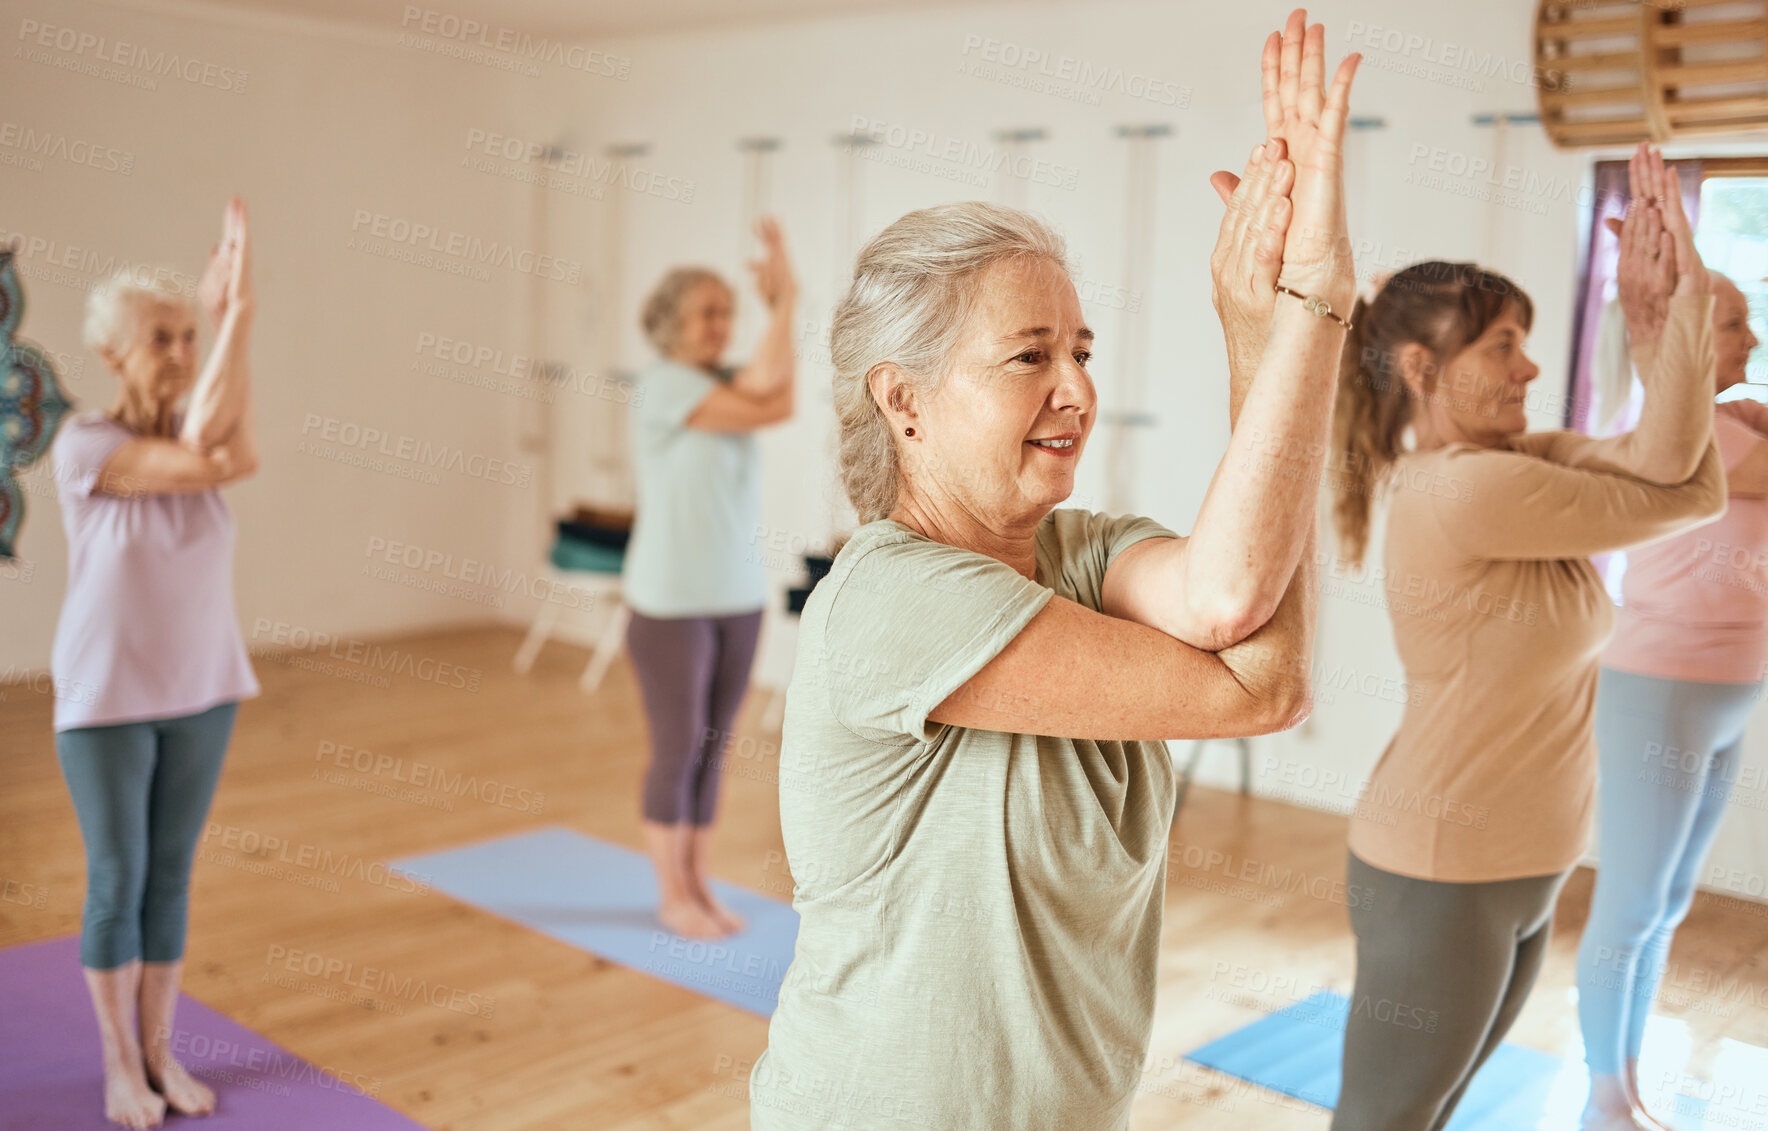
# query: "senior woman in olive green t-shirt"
{"type": "Point", "coordinates": [974, 794]}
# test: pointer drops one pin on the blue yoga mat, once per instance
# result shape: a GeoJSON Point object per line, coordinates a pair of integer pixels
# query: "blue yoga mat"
{"type": "Point", "coordinates": [602, 898]}
{"type": "Point", "coordinates": [1298, 1052]}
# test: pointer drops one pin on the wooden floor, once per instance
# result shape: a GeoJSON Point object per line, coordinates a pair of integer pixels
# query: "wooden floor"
{"type": "Point", "coordinates": [571, 1041]}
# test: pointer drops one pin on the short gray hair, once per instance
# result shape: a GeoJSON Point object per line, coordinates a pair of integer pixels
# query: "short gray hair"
{"type": "Point", "coordinates": [661, 315]}
{"type": "Point", "coordinates": [913, 289]}
{"type": "Point", "coordinates": [114, 304]}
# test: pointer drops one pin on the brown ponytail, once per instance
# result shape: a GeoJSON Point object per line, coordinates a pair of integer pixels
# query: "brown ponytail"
{"type": "Point", "coordinates": [1441, 306]}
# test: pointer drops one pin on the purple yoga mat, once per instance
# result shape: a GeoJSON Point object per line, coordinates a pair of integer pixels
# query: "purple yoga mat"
{"type": "Point", "coordinates": [51, 1078]}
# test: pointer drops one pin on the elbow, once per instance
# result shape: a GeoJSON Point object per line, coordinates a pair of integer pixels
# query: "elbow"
{"type": "Point", "coordinates": [1673, 471]}
{"type": "Point", "coordinates": [1287, 706]}
{"type": "Point", "coordinates": [1235, 617]}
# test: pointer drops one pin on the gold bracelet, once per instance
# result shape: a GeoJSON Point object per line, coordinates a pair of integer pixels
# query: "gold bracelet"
{"type": "Point", "coordinates": [1313, 305]}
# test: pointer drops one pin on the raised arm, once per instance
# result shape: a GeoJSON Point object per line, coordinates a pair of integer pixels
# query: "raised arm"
{"type": "Point", "coordinates": [218, 403]}
{"type": "Point", "coordinates": [1666, 295]}
{"type": "Point", "coordinates": [1227, 579]}
{"type": "Point", "coordinates": [1516, 505]}
{"type": "Point", "coordinates": [773, 365]}
{"type": "Point", "coordinates": [155, 466]}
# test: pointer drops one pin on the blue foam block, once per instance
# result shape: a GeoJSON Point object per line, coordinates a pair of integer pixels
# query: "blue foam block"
{"type": "Point", "coordinates": [602, 898]}
{"type": "Point", "coordinates": [1298, 1052]}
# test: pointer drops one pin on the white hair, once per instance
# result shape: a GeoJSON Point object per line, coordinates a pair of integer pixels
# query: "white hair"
{"type": "Point", "coordinates": [913, 288]}
{"type": "Point", "coordinates": [661, 314]}
{"type": "Point", "coordinates": [116, 303]}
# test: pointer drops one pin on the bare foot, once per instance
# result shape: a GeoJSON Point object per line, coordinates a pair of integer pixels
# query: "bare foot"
{"type": "Point", "coordinates": [130, 1102]}
{"type": "Point", "coordinates": [731, 920]}
{"type": "Point", "coordinates": [690, 920]}
{"type": "Point", "coordinates": [184, 1093]}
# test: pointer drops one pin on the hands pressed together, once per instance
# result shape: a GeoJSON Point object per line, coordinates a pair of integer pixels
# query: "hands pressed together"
{"type": "Point", "coordinates": [227, 282]}
{"type": "Point", "coordinates": [1658, 257]}
{"type": "Point", "coordinates": [773, 271]}
{"type": "Point", "coordinates": [1285, 219]}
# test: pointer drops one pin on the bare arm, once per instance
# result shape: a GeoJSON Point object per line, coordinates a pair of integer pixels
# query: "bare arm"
{"type": "Point", "coordinates": [219, 400]}
{"type": "Point", "coordinates": [1074, 673]}
{"type": "Point", "coordinates": [1748, 478]}
{"type": "Point", "coordinates": [773, 365]}
{"type": "Point", "coordinates": [726, 409]}
{"type": "Point", "coordinates": [1214, 588]}
{"type": "Point", "coordinates": [155, 466]}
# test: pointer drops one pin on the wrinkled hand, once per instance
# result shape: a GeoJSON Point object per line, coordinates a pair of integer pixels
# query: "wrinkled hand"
{"type": "Point", "coordinates": [1657, 254]}
{"type": "Point", "coordinates": [1310, 120]}
{"type": "Point", "coordinates": [773, 271]}
{"type": "Point", "coordinates": [226, 282]}
{"type": "Point", "coordinates": [1249, 248]}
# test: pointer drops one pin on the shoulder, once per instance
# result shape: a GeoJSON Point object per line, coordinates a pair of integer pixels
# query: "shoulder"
{"type": "Point", "coordinates": [1072, 532]}
{"type": "Point", "coordinates": [1450, 473]}
{"type": "Point", "coordinates": [84, 428]}
{"type": "Point", "coordinates": [1741, 415]}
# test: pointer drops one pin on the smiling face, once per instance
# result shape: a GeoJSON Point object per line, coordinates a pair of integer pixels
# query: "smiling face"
{"type": "Point", "coordinates": [1002, 433]}
{"type": "Point", "coordinates": [1479, 394]}
{"type": "Point", "coordinates": [1732, 339]}
{"type": "Point", "coordinates": [158, 361]}
{"type": "Point", "coordinates": [704, 324]}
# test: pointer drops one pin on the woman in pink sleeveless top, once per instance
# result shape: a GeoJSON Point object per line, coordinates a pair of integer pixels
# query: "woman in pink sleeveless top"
{"type": "Point", "coordinates": [1677, 684]}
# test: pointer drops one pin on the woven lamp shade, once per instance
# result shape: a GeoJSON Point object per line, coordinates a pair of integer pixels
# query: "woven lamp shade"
{"type": "Point", "coordinates": [1618, 73]}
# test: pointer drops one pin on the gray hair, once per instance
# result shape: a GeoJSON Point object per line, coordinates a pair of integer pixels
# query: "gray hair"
{"type": "Point", "coordinates": [661, 314]}
{"type": "Point", "coordinates": [114, 305]}
{"type": "Point", "coordinates": [913, 289]}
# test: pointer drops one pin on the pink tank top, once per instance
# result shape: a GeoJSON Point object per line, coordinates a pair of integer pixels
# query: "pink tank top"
{"type": "Point", "coordinates": [1695, 605]}
{"type": "Point", "coordinates": [147, 628]}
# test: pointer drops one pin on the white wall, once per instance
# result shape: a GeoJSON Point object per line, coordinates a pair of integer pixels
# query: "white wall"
{"type": "Point", "coordinates": [314, 125]}
{"type": "Point", "coordinates": [334, 121]}
{"type": "Point", "coordinates": [1417, 191]}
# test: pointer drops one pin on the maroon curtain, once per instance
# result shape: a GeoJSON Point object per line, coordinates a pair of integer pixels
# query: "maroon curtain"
{"type": "Point", "coordinates": [1596, 283]}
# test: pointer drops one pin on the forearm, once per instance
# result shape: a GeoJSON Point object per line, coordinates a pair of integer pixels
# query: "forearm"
{"type": "Point", "coordinates": [773, 365]}
{"type": "Point", "coordinates": [219, 399]}
{"type": "Point", "coordinates": [1677, 416]}
{"type": "Point", "coordinates": [1275, 662]}
{"type": "Point", "coordinates": [1262, 500]}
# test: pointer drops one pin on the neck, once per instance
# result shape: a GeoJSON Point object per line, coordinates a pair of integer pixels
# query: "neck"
{"type": "Point", "coordinates": [141, 413]}
{"type": "Point", "coordinates": [699, 363]}
{"type": "Point", "coordinates": [950, 522]}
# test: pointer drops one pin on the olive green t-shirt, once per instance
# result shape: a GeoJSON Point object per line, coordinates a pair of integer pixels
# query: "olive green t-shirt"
{"type": "Point", "coordinates": [980, 910]}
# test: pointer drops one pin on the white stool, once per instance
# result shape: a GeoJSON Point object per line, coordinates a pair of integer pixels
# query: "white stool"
{"type": "Point", "coordinates": [604, 589]}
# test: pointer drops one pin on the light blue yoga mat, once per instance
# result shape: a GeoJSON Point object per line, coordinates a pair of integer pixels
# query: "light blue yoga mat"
{"type": "Point", "coordinates": [602, 898]}
{"type": "Point", "coordinates": [1298, 1052]}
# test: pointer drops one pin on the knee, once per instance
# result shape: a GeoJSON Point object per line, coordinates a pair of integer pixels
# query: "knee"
{"type": "Point", "coordinates": [1624, 917]}
{"type": "Point", "coordinates": [114, 886]}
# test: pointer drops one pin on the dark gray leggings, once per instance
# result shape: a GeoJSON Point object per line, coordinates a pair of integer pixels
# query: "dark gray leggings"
{"type": "Point", "coordinates": [692, 672]}
{"type": "Point", "coordinates": [141, 791]}
{"type": "Point", "coordinates": [1442, 971]}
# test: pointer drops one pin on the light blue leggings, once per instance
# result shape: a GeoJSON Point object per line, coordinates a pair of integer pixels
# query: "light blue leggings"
{"type": "Point", "coordinates": [141, 792]}
{"type": "Point", "coordinates": [1669, 752]}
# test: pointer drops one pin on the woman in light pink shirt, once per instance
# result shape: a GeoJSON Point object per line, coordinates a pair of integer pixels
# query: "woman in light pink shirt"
{"type": "Point", "coordinates": [148, 663]}
{"type": "Point", "coordinates": [1676, 688]}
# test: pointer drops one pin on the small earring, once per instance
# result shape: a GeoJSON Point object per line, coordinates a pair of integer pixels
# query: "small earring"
{"type": "Point", "coordinates": [908, 431]}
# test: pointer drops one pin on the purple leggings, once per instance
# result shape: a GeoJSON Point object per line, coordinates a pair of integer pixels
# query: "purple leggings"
{"type": "Point", "coordinates": [692, 672]}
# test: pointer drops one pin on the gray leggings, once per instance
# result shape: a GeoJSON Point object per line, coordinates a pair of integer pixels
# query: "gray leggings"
{"type": "Point", "coordinates": [1442, 971]}
{"type": "Point", "coordinates": [692, 672]}
{"type": "Point", "coordinates": [141, 791]}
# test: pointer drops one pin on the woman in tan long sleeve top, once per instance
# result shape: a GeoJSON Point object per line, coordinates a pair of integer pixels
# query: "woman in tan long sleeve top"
{"type": "Point", "coordinates": [1481, 804]}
